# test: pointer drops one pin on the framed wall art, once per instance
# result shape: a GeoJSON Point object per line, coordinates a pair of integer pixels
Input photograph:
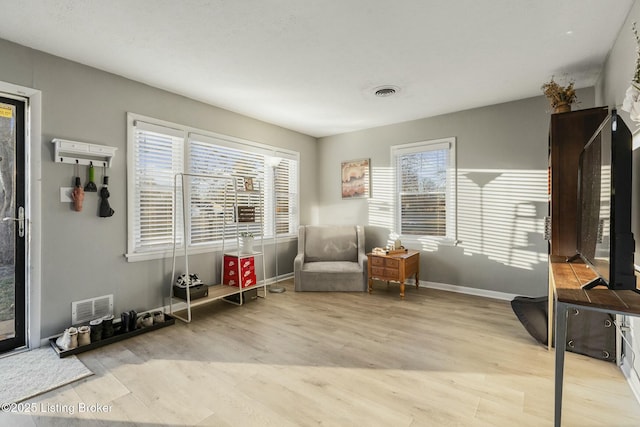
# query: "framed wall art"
{"type": "Point", "coordinates": [355, 179]}
{"type": "Point", "coordinates": [248, 184]}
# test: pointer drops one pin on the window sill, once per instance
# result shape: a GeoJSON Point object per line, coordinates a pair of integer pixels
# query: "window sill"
{"type": "Point", "coordinates": [196, 250]}
{"type": "Point", "coordinates": [418, 240]}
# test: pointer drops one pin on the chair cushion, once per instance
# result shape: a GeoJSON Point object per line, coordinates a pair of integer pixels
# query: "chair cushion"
{"type": "Point", "coordinates": [331, 243]}
{"type": "Point", "coordinates": [331, 267]}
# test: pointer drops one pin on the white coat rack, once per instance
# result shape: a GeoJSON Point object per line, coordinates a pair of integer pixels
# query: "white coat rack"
{"type": "Point", "coordinates": [83, 153]}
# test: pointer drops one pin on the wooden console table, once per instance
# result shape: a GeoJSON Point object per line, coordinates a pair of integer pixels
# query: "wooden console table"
{"type": "Point", "coordinates": [394, 268]}
{"type": "Point", "coordinates": [566, 282]}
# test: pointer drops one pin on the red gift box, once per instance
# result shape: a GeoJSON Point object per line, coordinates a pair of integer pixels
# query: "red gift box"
{"type": "Point", "coordinates": [247, 271]}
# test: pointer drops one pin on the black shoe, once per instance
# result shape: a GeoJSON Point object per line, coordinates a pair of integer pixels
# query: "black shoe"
{"type": "Point", "coordinates": [133, 318]}
{"type": "Point", "coordinates": [107, 326]}
{"type": "Point", "coordinates": [96, 330]}
{"type": "Point", "coordinates": [124, 322]}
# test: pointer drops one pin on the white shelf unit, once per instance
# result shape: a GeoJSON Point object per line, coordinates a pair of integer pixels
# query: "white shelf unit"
{"type": "Point", "coordinates": [83, 153]}
{"type": "Point", "coordinates": [234, 195]}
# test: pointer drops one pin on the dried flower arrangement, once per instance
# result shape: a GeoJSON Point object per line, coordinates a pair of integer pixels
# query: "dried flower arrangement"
{"type": "Point", "coordinates": [559, 95]}
{"type": "Point", "coordinates": [636, 75]}
{"type": "Point", "coordinates": [631, 103]}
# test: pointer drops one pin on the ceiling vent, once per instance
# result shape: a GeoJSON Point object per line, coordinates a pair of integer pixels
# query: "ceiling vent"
{"type": "Point", "coordinates": [384, 91]}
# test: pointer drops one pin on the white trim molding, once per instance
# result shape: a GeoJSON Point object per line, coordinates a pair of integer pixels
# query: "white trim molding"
{"type": "Point", "coordinates": [469, 291]}
{"type": "Point", "coordinates": [34, 207]}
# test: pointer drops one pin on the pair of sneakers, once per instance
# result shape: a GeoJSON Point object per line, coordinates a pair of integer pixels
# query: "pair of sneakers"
{"type": "Point", "coordinates": [68, 340]}
{"type": "Point", "coordinates": [193, 280]}
{"type": "Point", "coordinates": [77, 337]}
{"type": "Point", "coordinates": [74, 337]}
{"type": "Point", "coordinates": [150, 319]}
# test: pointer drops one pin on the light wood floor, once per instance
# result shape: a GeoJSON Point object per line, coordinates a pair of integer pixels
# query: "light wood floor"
{"type": "Point", "coordinates": [340, 359]}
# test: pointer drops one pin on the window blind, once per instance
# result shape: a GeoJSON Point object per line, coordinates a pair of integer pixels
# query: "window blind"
{"type": "Point", "coordinates": [158, 150]}
{"type": "Point", "coordinates": [158, 156]}
{"type": "Point", "coordinates": [285, 183]}
{"type": "Point", "coordinates": [423, 184]}
{"type": "Point", "coordinates": [212, 157]}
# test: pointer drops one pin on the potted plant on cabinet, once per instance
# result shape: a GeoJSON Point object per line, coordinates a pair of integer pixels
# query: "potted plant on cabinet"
{"type": "Point", "coordinates": [560, 97]}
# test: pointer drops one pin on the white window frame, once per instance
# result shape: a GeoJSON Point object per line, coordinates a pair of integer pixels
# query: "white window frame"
{"type": "Point", "coordinates": [451, 188]}
{"type": "Point", "coordinates": [134, 253]}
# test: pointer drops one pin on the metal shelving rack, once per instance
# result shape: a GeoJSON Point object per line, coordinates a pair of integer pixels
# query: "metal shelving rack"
{"type": "Point", "coordinates": [234, 194]}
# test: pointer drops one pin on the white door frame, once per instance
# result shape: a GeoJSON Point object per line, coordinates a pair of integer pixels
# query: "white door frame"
{"type": "Point", "coordinates": [33, 207]}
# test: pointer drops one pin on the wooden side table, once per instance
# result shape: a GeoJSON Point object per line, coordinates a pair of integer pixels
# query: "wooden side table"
{"type": "Point", "coordinates": [394, 268]}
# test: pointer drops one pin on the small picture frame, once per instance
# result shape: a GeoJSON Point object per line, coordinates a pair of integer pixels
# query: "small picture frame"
{"type": "Point", "coordinates": [248, 184]}
{"type": "Point", "coordinates": [355, 176]}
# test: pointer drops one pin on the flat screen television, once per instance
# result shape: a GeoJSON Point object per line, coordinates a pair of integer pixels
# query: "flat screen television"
{"type": "Point", "coordinates": [605, 241]}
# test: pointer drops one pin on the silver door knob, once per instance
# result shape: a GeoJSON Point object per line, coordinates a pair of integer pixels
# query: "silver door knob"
{"type": "Point", "coordinates": [20, 220]}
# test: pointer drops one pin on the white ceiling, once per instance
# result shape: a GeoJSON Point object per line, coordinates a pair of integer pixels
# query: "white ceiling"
{"type": "Point", "coordinates": [311, 66]}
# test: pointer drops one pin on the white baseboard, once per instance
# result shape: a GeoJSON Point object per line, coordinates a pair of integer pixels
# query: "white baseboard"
{"type": "Point", "coordinates": [434, 285]}
{"type": "Point", "coordinates": [632, 380]}
{"type": "Point", "coordinates": [469, 291]}
{"type": "Point", "coordinates": [280, 277]}
{"type": "Point", "coordinates": [183, 305]}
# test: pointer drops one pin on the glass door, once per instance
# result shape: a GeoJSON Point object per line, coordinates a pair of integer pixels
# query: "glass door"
{"type": "Point", "coordinates": [12, 226]}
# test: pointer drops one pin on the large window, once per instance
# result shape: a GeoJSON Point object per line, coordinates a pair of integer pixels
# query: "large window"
{"type": "Point", "coordinates": [158, 150]}
{"type": "Point", "coordinates": [157, 155]}
{"type": "Point", "coordinates": [426, 189]}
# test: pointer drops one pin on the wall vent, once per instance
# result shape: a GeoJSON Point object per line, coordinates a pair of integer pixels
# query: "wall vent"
{"type": "Point", "coordinates": [92, 308]}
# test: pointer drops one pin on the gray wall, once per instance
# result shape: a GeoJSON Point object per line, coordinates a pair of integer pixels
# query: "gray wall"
{"type": "Point", "coordinates": [82, 254]}
{"type": "Point", "coordinates": [614, 81]}
{"type": "Point", "coordinates": [502, 155]}
{"type": "Point", "coordinates": [620, 65]}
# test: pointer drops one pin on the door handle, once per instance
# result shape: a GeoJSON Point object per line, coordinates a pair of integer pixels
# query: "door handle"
{"type": "Point", "coordinates": [20, 220]}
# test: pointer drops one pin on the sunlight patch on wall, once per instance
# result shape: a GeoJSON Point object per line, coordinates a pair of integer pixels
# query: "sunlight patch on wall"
{"type": "Point", "coordinates": [382, 200]}
{"type": "Point", "coordinates": [500, 213]}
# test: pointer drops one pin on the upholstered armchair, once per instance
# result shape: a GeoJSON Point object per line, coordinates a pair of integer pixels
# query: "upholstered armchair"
{"type": "Point", "coordinates": [330, 258]}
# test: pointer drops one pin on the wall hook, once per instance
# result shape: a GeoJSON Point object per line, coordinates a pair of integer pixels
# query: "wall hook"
{"type": "Point", "coordinates": [83, 153]}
